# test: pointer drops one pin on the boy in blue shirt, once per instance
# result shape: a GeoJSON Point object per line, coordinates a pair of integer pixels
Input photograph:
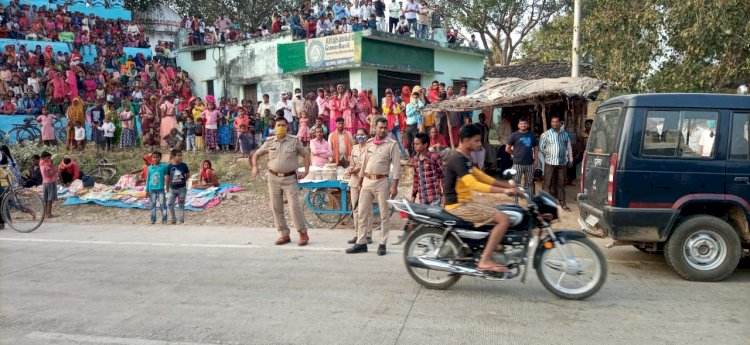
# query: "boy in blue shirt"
{"type": "Point", "coordinates": [177, 174]}
{"type": "Point", "coordinates": [156, 179]}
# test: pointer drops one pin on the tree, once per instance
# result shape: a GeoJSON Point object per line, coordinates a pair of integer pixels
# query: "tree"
{"type": "Point", "coordinates": [502, 25]}
{"type": "Point", "coordinates": [247, 13]}
{"type": "Point", "coordinates": [655, 45]}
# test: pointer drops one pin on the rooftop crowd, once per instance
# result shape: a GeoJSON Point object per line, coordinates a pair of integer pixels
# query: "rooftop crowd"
{"type": "Point", "coordinates": [413, 18]}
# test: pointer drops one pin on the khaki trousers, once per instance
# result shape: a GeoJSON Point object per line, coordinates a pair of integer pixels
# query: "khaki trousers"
{"type": "Point", "coordinates": [355, 214]}
{"type": "Point", "coordinates": [277, 187]}
{"type": "Point", "coordinates": [372, 190]}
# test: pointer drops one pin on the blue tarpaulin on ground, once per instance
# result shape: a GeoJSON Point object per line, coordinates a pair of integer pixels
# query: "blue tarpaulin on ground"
{"type": "Point", "coordinates": [208, 198]}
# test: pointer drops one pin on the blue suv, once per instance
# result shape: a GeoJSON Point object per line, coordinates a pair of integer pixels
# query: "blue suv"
{"type": "Point", "coordinates": [671, 173]}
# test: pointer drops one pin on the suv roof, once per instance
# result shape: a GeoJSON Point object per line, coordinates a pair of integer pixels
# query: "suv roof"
{"type": "Point", "coordinates": [682, 100]}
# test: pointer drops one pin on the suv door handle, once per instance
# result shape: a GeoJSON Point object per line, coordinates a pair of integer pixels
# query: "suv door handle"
{"type": "Point", "coordinates": [742, 180]}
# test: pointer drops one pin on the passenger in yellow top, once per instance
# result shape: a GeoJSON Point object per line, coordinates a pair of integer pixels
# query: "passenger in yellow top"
{"type": "Point", "coordinates": [460, 179]}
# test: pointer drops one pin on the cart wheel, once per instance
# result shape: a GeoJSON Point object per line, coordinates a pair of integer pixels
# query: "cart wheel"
{"type": "Point", "coordinates": [322, 209]}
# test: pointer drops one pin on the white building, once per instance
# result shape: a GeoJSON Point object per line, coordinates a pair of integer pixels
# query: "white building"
{"type": "Point", "coordinates": [162, 23]}
{"type": "Point", "coordinates": [367, 59]}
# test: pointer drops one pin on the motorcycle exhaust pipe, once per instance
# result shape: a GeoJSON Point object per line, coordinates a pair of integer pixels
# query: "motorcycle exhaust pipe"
{"type": "Point", "coordinates": [437, 265]}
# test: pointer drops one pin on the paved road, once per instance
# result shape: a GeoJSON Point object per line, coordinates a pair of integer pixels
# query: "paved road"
{"type": "Point", "coordinates": [114, 284]}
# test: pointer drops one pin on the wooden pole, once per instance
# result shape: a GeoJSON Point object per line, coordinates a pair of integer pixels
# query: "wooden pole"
{"type": "Point", "coordinates": [450, 129]}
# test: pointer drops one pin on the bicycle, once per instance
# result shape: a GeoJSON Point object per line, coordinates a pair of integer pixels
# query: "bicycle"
{"type": "Point", "coordinates": [22, 209]}
{"type": "Point", "coordinates": [104, 172]}
{"type": "Point", "coordinates": [28, 131]}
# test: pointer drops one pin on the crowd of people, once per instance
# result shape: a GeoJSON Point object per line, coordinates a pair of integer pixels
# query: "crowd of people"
{"type": "Point", "coordinates": [415, 18]}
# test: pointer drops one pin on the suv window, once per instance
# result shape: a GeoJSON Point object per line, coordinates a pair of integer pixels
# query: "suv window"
{"type": "Point", "coordinates": [739, 149]}
{"type": "Point", "coordinates": [682, 134]}
{"type": "Point", "coordinates": [603, 136]}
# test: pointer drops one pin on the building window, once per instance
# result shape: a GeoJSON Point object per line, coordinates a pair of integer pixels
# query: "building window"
{"type": "Point", "coordinates": [458, 84]}
{"type": "Point", "coordinates": [210, 87]}
{"type": "Point", "coordinates": [199, 55]}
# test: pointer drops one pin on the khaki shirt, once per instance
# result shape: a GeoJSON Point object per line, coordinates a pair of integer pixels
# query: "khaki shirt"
{"type": "Point", "coordinates": [378, 159]}
{"type": "Point", "coordinates": [282, 154]}
{"type": "Point", "coordinates": [356, 162]}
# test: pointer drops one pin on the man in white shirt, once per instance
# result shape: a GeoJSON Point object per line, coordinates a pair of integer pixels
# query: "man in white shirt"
{"type": "Point", "coordinates": [411, 9]}
{"type": "Point", "coordinates": [393, 14]}
{"type": "Point", "coordinates": [266, 104]}
{"type": "Point", "coordinates": [286, 105]}
{"type": "Point", "coordinates": [708, 136]}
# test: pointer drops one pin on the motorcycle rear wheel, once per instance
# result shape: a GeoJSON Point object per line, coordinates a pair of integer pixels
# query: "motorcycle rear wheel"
{"type": "Point", "coordinates": [594, 262]}
{"type": "Point", "coordinates": [424, 242]}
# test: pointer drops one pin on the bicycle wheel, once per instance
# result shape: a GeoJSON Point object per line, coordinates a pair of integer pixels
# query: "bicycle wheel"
{"type": "Point", "coordinates": [103, 175]}
{"type": "Point", "coordinates": [23, 210]}
{"type": "Point", "coordinates": [322, 209]}
{"type": "Point", "coordinates": [21, 135]}
{"type": "Point", "coordinates": [3, 137]}
{"type": "Point", "coordinates": [61, 133]}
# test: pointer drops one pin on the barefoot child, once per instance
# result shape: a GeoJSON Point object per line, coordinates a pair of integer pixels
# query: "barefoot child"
{"type": "Point", "coordinates": [177, 174]}
{"type": "Point", "coordinates": [49, 176]}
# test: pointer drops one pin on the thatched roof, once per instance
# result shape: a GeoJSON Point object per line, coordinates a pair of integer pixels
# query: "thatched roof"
{"type": "Point", "coordinates": [505, 92]}
{"type": "Point", "coordinates": [532, 70]}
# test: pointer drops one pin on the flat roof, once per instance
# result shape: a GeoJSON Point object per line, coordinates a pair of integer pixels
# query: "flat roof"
{"type": "Point", "coordinates": [393, 68]}
{"type": "Point", "coordinates": [681, 100]}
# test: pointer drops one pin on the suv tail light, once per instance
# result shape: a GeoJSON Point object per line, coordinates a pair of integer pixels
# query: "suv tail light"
{"type": "Point", "coordinates": [583, 172]}
{"type": "Point", "coordinates": [611, 180]}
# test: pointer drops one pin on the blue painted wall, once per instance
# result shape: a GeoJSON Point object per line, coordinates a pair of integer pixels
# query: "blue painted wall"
{"type": "Point", "coordinates": [97, 9]}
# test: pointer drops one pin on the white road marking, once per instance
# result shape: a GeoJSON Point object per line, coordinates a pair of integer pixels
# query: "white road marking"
{"type": "Point", "coordinates": [290, 246]}
{"type": "Point", "coordinates": [92, 339]}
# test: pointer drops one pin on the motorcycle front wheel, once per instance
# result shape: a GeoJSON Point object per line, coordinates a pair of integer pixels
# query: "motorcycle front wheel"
{"type": "Point", "coordinates": [575, 270]}
{"type": "Point", "coordinates": [424, 243]}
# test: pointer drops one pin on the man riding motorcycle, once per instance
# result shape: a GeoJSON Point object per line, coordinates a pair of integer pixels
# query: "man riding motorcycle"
{"type": "Point", "coordinates": [460, 179]}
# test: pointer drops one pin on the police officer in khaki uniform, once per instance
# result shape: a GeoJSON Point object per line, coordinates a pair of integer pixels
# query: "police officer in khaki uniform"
{"type": "Point", "coordinates": [381, 153]}
{"type": "Point", "coordinates": [358, 152]}
{"type": "Point", "coordinates": [283, 150]}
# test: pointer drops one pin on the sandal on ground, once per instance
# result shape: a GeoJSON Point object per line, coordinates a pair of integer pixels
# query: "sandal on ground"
{"type": "Point", "coordinates": [566, 208]}
{"type": "Point", "coordinates": [493, 268]}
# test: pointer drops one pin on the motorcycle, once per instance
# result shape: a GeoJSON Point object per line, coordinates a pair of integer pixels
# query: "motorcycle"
{"type": "Point", "coordinates": [440, 248]}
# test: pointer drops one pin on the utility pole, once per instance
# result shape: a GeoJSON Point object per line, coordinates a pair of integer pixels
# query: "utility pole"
{"type": "Point", "coordinates": [576, 38]}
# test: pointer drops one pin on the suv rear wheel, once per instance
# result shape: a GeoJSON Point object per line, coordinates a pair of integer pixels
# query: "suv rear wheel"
{"type": "Point", "coordinates": [703, 248]}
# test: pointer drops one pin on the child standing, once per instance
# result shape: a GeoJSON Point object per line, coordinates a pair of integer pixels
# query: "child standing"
{"type": "Point", "coordinates": [109, 133]}
{"type": "Point", "coordinates": [371, 121]}
{"type": "Point", "coordinates": [190, 134]}
{"type": "Point", "coordinates": [80, 136]}
{"type": "Point", "coordinates": [49, 176]}
{"type": "Point", "coordinates": [303, 133]}
{"type": "Point", "coordinates": [258, 127]}
{"type": "Point", "coordinates": [247, 141]}
{"type": "Point", "coordinates": [156, 179]}
{"type": "Point", "coordinates": [271, 130]}
{"type": "Point", "coordinates": [177, 174]}
{"type": "Point", "coordinates": [48, 127]}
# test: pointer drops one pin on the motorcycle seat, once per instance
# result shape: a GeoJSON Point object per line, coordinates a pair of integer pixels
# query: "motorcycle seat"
{"type": "Point", "coordinates": [514, 212]}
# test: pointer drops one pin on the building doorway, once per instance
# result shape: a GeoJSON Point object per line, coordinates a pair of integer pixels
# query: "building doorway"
{"type": "Point", "coordinates": [396, 81]}
{"type": "Point", "coordinates": [311, 82]}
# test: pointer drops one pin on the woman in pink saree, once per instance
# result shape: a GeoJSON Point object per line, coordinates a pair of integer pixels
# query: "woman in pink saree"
{"type": "Point", "coordinates": [72, 82]}
{"type": "Point", "coordinates": [347, 112]}
{"type": "Point", "coordinates": [362, 110]}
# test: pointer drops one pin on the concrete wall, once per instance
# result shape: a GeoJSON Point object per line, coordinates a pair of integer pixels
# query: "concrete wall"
{"type": "Point", "coordinates": [236, 65]}
{"type": "Point", "coordinates": [458, 66]}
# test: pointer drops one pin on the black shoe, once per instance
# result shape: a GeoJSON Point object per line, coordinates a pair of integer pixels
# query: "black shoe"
{"type": "Point", "coordinates": [369, 240]}
{"type": "Point", "coordinates": [357, 248]}
{"type": "Point", "coordinates": [352, 241]}
{"type": "Point", "coordinates": [381, 250]}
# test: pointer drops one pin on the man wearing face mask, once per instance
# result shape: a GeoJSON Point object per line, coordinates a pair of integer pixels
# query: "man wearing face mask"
{"type": "Point", "coordinates": [283, 152]}
{"type": "Point", "coordinates": [381, 161]}
{"type": "Point", "coordinates": [355, 165]}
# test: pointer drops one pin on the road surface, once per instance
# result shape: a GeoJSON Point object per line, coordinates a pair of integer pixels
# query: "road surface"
{"type": "Point", "coordinates": [158, 285]}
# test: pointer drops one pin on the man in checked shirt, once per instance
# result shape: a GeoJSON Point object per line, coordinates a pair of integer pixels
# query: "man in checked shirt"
{"type": "Point", "coordinates": [428, 173]}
